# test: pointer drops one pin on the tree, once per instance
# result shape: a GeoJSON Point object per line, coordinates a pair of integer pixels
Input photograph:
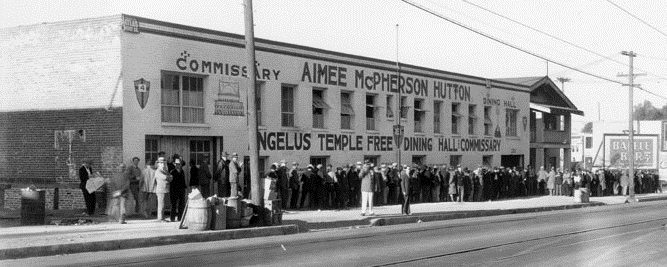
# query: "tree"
{"type": "Point", "coordinates": [647, 112]}
{"type": "Point", "coordinates": [588, 128]}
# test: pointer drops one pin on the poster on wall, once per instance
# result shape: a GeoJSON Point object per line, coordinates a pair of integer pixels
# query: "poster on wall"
{"type": "Point", "coordinates": [616, 149]}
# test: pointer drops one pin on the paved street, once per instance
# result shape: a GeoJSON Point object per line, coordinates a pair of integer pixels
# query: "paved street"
{"type": "Point", "coordinates": [597, 236]}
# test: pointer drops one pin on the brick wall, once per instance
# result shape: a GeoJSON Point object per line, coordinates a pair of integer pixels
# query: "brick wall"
{"type": "Point", "coordinates": [69, 198]}
{"type": "Point", "coordinates": [30, 153]}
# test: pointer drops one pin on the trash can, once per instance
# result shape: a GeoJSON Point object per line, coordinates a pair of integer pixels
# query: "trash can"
{"type": "Point", "coordinates": [581, 195]}
{"type": "Point", "coordinates": [33, 207]}
{"type": "Point", "coordinates": [219, 216]}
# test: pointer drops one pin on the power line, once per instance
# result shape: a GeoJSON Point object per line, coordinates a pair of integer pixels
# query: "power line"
{"type": "Point", "coordinates": [632, 15]}
{"type": "Point", "coordinates": [652, 57]}
{"type": "Point", "coordinates": [503, 42]}
{"type": "Point", "coordinates": [647, 91]}
{"type": "Point", "coordinates": [460, 24]}
{"type": "Point", "coordinates": [558, 38]}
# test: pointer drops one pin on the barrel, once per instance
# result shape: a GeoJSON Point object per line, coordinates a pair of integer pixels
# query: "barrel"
{"type": "Point", "coordinates": [33, 207]}
{"type": "Point", "coordinates": [198, 215]}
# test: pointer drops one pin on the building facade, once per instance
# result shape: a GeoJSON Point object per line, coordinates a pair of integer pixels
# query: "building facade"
{"type": "Point", "coordinates": [113, 88]}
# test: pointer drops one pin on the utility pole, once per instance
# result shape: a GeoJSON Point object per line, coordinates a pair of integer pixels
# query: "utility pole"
{"type": "Point", "coordinates": [398, 129]}
{"type": "Point", "coordinates": [631, 142]}
{"type": "Point", "coordinates": [255, 182]}
{"type": "Point", "coordinates": [562, 81]}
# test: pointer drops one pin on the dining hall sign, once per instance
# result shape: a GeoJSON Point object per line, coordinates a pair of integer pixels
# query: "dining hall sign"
{"type": "Point", "coordinates": [297, 141]}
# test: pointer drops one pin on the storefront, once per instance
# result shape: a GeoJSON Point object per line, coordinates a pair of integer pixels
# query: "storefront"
{"type": "Point", "coordinates": [182, 90]}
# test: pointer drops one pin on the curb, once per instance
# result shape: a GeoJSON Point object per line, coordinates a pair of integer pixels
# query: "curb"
{"type": "Point", "coordinates": [192, 237]}
{"type": "Point", "coordinates": [647, 199]}
{"type": "Point", "coordinates": [405, 219]}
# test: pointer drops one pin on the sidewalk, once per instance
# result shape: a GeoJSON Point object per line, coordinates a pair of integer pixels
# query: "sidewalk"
{"type": "Point", "coordinates": [30, 241]}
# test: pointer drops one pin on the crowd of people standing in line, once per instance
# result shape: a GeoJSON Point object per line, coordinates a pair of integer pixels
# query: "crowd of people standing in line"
{"type": "Point", "coordinates": [348, 186]}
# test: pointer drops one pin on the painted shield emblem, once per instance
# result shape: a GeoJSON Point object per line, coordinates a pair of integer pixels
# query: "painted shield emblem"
{"type": "Point", "coordinates": [142, 88]}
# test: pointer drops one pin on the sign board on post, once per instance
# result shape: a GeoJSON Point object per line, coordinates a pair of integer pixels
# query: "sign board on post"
{"type": "Point", "coordinates": [616, 151]}
{"type": "Point", "coordinates": [399, 130]}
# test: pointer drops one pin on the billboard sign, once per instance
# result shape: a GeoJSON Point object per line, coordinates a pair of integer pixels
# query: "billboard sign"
{"type": "Point", "coordinates": [616, 151]}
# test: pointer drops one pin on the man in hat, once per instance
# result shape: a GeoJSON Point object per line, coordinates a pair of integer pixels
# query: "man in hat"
{"type": "Point", "coordinates": [177, 188]}
{"type": "Point", "coordinates": [343, 187]}
{"type": "Point", "coordinates": [148, 198]}
{"type": "Point", "coordinates": [283, 184]}
{"type": "Point", "coordinates": [221, 175]}
{"type": "Point", "coordinates": [119, 186]}
{"type": "Point", "coordinates": [355, 184]}
{"type": "Point", "coordinates": [162, 178]}
{"type": "Point", "coordinates": [294, 186]}
{"type": "Point", "coordinates": [234, 170]}
{"type": "Point", "coordinates": [308, 187]}
{"type": "Point", "coordinates": [85, 173]}
{"type": "Point", "coordinates": [135, 178]}
{"type": "Point", "coordinates": [405, 189]}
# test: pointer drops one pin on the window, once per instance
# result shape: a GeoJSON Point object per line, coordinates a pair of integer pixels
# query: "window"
{"type": "Point", "coordinates": [487, 161]}
{"type": "Point", "coordinates": [436, 116]}
{"type": "Point", "coordinates": [316, 160]}
{"type": "Point", "coordinates": [472, 119]}
{"type": "Point", "coordinates": [182, 98]}
{"type": "Point", "coordinates": [319, 108]}
{"type": "Point", "coordinates": [200, 150]}
{"type": "Point", "coordinates": [589, 142]}
{"type": "Point", "coordinates": [419, 115]}
{"type": "Point", "coordinates": [150, 155]}
{"type": "Point", "coordinates": [455, 118]}
{"type": "Point", "coordinates": [287, 105]}
{"type": "Point", "coordinates": [404, 109]}
{"type": "Point", "coordinates": [554, 122]}
{"type": "Point", "coordinates": [259, 89]}
{"type": "Point", "coordinates": [510, 122]}
{"type": "Point", "coordinates": [419, 160]}
{"type": "Point", "coordinates": [372, 159]}
{"type": "Point", "coordinates": [390, 106]}
{"type": "Point", "coordinates": [346, 110]}
{"type": "Point", "coordinates": [370, 112]}
{"type": "Point", "coordinates": [488, 123]}
{"type": "Point", "coordinates": [454, 160]}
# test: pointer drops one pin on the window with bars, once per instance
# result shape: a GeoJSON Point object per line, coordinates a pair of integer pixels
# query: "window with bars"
{"type": "Point", "coordinates": [346, 110]}
{"type": "Point", "coordinates": [472, 119]}
{"type": "Point", "coordinates": [488, 123]}
{"type": "Point", "coordinates": [511, 122]}
{"type": "Point", "coordinates": [182, 98]}
{"type": "Point", "coordinates": [419, 113]}
{"type": "Point", "coordinates": [200, 150]}
{"type": "Point", "coordinates": [455, 118]}
{"type": "Point", "coordinates": [370, 112]}
{"type": "Point", "coordinates": [151, 151]}
{"type": "Point", "coordinates": [319, 108]}
{"type": "Point", "coordinates": [287, 105]}
{"type": "Point", "coordinates": [437, 109]}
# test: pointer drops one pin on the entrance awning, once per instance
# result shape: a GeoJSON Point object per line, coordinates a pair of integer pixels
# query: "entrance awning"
{"type": "Point", "coordinates": [555, 109]}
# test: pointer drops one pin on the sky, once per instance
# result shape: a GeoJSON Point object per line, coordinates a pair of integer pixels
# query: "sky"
{"type": "Point", "coordinates": [368, 28]}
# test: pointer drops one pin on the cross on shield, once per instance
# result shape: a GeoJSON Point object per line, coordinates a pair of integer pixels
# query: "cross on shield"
{"type": "Point", "coordinates": [142, 88]}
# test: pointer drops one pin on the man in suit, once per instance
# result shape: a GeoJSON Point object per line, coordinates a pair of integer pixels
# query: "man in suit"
{"type": "Point", "coordinates": [405, 189]}
{"type": "Point", "coordinates": [221, 175]}
{"type": "Point", "coordinates": [84, 174]}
